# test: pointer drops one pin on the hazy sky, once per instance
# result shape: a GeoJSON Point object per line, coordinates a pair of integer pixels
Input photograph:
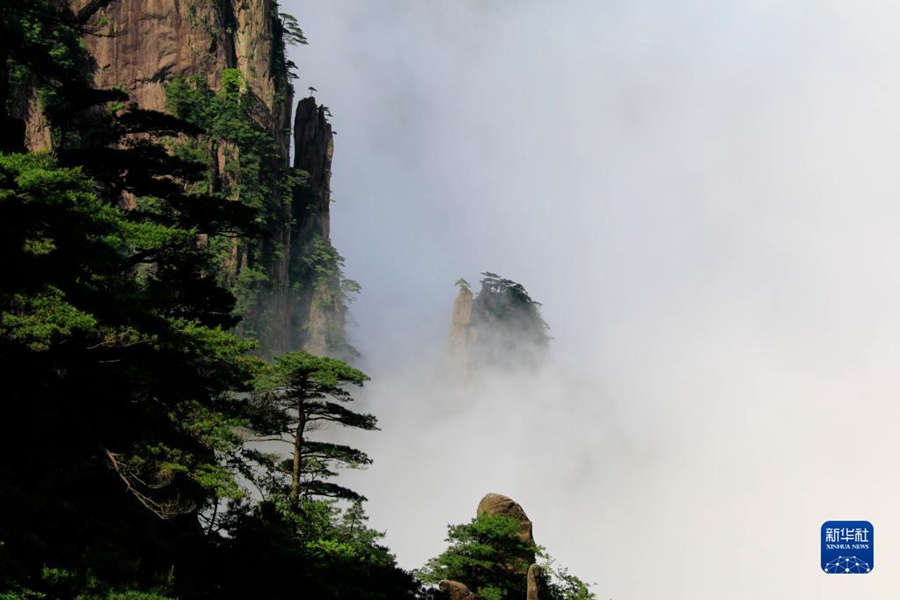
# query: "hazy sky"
{"type": "Point", "coordinates": [705, 196]}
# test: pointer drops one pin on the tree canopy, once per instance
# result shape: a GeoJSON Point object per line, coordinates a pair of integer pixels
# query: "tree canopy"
{"type": "Point", "coordinates": [118, 377]}
{"type": "Point", "coordinates": [511, 331]}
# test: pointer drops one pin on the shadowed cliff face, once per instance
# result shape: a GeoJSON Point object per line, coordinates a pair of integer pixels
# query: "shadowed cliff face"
{"type": "Point", "coordinates": [313, 153]}
{"type": "Point", "coordinates": [319, 305]}
{"type": "Point", "coordinates": [320, 313]}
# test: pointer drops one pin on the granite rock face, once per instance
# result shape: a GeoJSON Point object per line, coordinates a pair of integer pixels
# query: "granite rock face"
{"type": "Point", "coordinates": [497, 504]}
{"type": "Point", "coordinates": [149, 42]}
{"type": "Point", "coordinates": [462, 335]}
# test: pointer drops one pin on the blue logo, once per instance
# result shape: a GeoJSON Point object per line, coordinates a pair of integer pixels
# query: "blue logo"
{"type": "Point", "coordinates": [848, 547]}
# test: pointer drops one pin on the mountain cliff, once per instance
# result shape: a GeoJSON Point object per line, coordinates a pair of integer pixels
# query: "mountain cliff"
{"type": "Point", "coordinates": [183, 57]}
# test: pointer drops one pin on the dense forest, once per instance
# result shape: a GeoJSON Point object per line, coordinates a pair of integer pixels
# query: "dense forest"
{"type": "Point", "coordinates": [151, 365]}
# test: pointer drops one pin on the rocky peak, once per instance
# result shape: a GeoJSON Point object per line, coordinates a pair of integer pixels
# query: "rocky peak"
{"type": "Point", "coordinates": [322, 300]}
{"type": "Point", "coordinates": [313, 151]}
{"type": "Point", "coordinates": [501, 327]}
{"type": "Point", "coordinates": [497, 504]}
{"type": "Point", "coordinates": [462, 335]}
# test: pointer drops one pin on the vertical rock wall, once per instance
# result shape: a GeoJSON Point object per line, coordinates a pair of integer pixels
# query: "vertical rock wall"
{"type": "Point", "coordinates": [148, 42]}
{"type": "Point", "coordinates": [462, 335]}
{"type": "Point", "coordinates": [321, 304]}
{"type": "Point", "coordinates": [313, 151]}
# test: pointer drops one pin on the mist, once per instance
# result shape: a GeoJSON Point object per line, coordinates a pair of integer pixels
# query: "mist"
{"type": "Point", "coordinates": [704, 198]}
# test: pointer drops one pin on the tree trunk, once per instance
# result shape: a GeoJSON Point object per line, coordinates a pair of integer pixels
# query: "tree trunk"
{"type": "Point", "coordinates": [298, 440]}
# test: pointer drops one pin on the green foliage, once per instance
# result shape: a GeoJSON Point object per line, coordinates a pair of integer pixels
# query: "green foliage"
{"type": "Point", "coordinates": [292, 33]}
{"type": "Point", "coordinates": [36, 321]}
{"type": "Point", "coordinates": [58, 583]}
{"type": "Point", "coordinates": [43, 53]}
{"type": "Point", "coordinates": [320, 286]}
{"type": "Point", "coordinates": [243, 165]}
{"type": "Point", "coordinates": [298, 395]}
{"type": "Point", "coordinates": [487, 555]}
{"type": "Point", "coordinates": [51, 222]}
{"type": "Point", "coordinates": [43, 43]}
{"type": "Point", "coordinates": [323, 267]}
{"type": "Point", "coordinates": [506, 301]}
{"type": "Point", "coordinates": [251, 172]}
{"type": "Point", "coordinates": [106, 321]}
{"type": "Point", "coordinates": [559, 584]}
{"type": "Point", "coordinates": [288, 32]}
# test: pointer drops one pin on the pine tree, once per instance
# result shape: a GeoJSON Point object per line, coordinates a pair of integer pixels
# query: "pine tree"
{"type": "Point", "coordinates": [117, 374]}
{"type": "Point", "coordinates": [300, 394]}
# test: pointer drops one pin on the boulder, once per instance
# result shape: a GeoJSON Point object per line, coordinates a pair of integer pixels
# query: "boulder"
{"type": "Point", "coordinates": [497, 504]}
{"type": "Point", "coordinates": [454, 590]}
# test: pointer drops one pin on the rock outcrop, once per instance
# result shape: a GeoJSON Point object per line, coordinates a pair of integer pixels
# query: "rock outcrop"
{"type": "Point", "coordinates": [462, 335]}
{"type": "Point", "coordinates": [501, 327]}
{"type": "Point", "coordinates": [313, 151]}
{"type": "Point", "coordinates": [534, 583]}
{"type": "Point", "coordinates": [497, 504]}
{"type": "Point", "coordinates": [454, 590]}
{"type": "Point", "coordinates": [321, 303]}
{"type": "Point", "coordinates": [492, 505]}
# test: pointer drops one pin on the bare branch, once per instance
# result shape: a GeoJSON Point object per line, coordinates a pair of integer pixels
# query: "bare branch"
{"type": "Point", "coordinates": [164, 510]}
